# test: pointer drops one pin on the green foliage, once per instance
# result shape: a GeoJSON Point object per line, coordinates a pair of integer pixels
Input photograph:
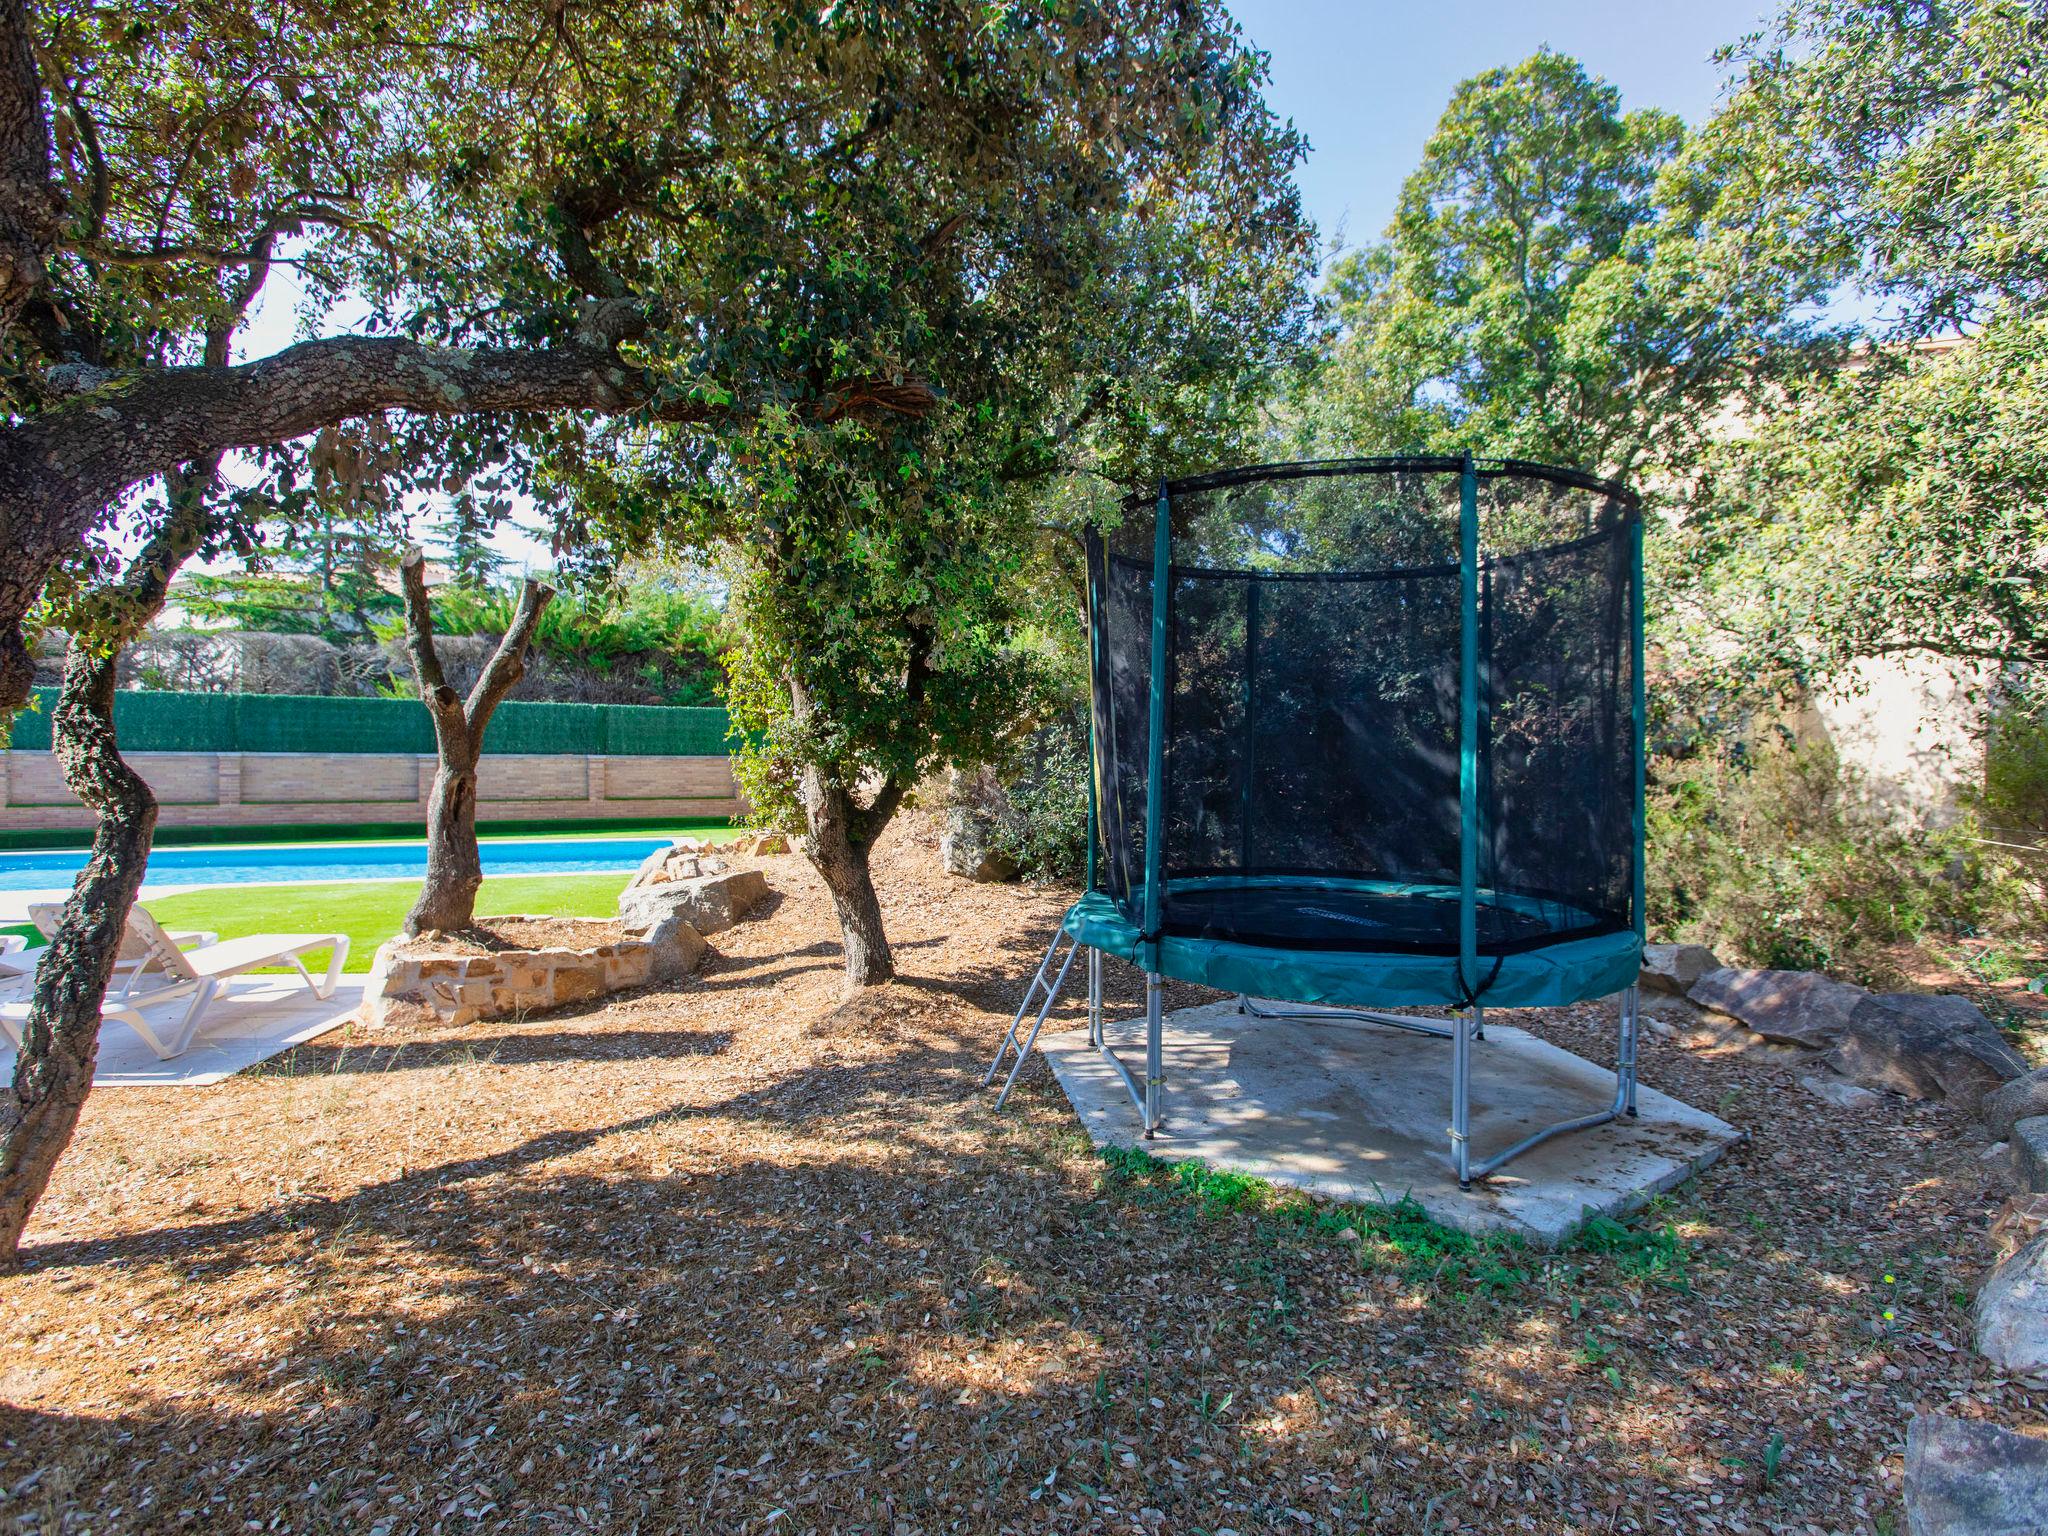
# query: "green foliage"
{"type": "Point", "coordinates": [1902, 507]}
{"type": "Point", "coordinates": [1068, 240]}
{"type": "Point", "coordinates": [1774, 857]}
{"type": "Point", "coordinates": [669, 640]}
{"type": "Point", "coordinates": [275, 602]}
{"type": "Point", "coordinates": [2014, 802]}
{"type": "Point", "coordinates": [1553, 287]}
{"type": "Point", "coordinates": [1046, 784]}
{"type": "Point", "coordinates": [1656, 1255]}
{"type": "Point", "coordinates": [1897, 506]}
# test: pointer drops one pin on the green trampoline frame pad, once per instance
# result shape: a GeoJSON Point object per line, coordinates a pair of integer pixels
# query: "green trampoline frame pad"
{"type": "Point", "coordinates": [1553, 976]}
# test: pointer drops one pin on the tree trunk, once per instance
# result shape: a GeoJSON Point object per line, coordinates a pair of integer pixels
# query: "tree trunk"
{"type": "Point", "coordinates": [839, 852]}
{"type": "Point", "coordinates": [60, 1042]}
{"type": "Point", "coordinates": [455, 870]}
{"type": "Point", "coordinates": [455, 867]}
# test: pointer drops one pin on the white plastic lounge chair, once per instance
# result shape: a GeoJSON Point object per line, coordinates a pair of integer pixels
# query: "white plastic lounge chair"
{"type": "Point", "coordinates": [18, 971]}
{"type": "Point", "coordinates": [202, 973]}
{"type": "Point", "coordinates": [12, 943]}
{"type": "Point", "coordinates": [135, 959]}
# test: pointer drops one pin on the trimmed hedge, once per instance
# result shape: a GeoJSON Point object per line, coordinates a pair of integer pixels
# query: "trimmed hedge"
{"type": "Point", "coordinates": [149, 721]}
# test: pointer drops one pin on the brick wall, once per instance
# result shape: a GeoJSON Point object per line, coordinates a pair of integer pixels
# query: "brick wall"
{"type": "Point", "coordinates": [255, 789]}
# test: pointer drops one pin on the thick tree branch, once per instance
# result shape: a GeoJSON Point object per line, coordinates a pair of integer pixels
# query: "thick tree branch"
{"type": "Point", "coordinates": [508, 662]}
{"type": "Point", "coordinates": [419, 627]}
{"type": "Point", "coordinates": [59, 471]}
{"type": "Point", "coordinates": [30, 207]}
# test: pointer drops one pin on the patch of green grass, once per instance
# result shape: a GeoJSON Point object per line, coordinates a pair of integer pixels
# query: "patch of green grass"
{"type": "Point", "coordinates": [369, 912]}
{"type": "Point", "coordinates": [1398, 1235]}
{"type": "Point", "coordinates": [1654, 1254]}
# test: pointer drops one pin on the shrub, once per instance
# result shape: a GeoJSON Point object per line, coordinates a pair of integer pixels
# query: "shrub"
{"type": "Point", "coordinates": [1044, 831]}
{"type": "Point", "coordinates": [2014, 801]}
{"type": "Point", "coordinates": [1773, 855]}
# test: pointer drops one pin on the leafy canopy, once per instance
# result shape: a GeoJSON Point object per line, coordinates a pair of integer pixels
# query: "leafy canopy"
{"type": "Point", "coordinates": [1034, 241]}
{"type": "Point", "coordinates": [1902, 504]}
{"type": "Point", "coordinates": [1555, 286]}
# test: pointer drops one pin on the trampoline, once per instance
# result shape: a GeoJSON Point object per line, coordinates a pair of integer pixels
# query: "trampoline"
{"type": "Point", "coordinates": [1365, 734]}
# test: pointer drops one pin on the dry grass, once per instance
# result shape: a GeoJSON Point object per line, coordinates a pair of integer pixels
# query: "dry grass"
{"type": "Point", "coordinates": [743, 1256]}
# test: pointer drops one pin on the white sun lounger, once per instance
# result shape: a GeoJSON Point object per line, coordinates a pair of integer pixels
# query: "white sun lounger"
{"type": "Point", "coordinates": [137, 957]}
{"type": "Point", "coordinates": [17, 975]}
{"type": "Point", "coordinates": [201, 973]}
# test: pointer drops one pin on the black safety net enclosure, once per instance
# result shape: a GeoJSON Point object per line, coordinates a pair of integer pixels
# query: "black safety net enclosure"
{"type": "Point", "coordinates": [1367, 735]}
{"type": "Point", "coordinates": [1381, 717]}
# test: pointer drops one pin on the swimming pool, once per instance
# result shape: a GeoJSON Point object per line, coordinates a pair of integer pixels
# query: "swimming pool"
{"type": "Point", "coordinates": [316, 862]}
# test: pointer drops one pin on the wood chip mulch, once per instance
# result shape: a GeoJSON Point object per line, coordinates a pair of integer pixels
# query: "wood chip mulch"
{"type": "Point", "coordinates": [494, 935]}
{"type": "Point", "coordinates": [742, 1255]}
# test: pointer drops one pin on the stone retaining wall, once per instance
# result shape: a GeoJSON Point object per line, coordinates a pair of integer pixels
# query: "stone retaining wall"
{"type": "Point", "coordinates": [458, 989]}
{"type": "Point", "coordinates": [270, 789]}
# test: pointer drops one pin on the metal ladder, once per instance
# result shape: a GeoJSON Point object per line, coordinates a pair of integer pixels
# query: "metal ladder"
{"type": "Point", "coordinates": [1051, 989]}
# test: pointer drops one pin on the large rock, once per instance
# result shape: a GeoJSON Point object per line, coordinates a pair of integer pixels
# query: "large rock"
{"type": "Point", "coordinates": [1966, 1478]}
{"type": "Point", "coordinates": [2027, 1146]}
{"type": "Point", "coordinates": [979, 816]}
{"type": "Point", "coordinates": [1843, 1095]}
{"type": "Point", "coordinates": [1794, 1007]}
{"type": "Point", "coordinates": [709, 903]}
{"type": "Point", "coordinates": [2012, 1311]}
{"type": "Point", "coordinates": [675, 949]}
{"type": "Point", "coordinates": [1672, 970]}
{"type": "Point", "coordinates": [2020, 1099]}
{"type": "Point", "coordinates": [1925, 1047]}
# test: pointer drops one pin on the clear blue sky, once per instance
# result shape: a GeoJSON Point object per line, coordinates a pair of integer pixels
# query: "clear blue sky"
{"type": "Point", "coordinates": [1367, 79]}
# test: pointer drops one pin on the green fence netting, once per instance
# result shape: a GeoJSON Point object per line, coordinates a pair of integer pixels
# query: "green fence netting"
{"type": "Point", "coordinates": [269, 722]}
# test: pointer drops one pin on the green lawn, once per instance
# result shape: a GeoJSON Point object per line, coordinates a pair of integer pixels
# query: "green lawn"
{"type": "Point", "coordinates": [370, 911]}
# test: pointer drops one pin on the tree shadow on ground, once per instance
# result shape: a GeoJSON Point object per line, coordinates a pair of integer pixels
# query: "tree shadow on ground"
{"type": "Point", "coordinates": [543, 1039]}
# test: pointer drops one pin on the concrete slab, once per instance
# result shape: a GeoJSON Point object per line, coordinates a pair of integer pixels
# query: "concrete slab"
{"type": "Point", "coordinates": [255, 1018]}
{"type": "Point", "coordinates": [1359, 1113]}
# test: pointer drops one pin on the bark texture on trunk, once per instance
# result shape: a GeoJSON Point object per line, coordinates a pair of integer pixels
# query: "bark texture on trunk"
{"type": "Point", "coordinates": [60, 1042]}
{"type": "Point", "coordinates": [839, 852]}
{"type": "Point", "coordinates": [455, 869]}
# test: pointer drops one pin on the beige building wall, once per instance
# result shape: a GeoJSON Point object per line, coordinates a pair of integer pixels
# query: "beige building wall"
{"type": "Point", "coordinates": [259, 789]}
{"type": "Point", "coordinates": [1912, 728]}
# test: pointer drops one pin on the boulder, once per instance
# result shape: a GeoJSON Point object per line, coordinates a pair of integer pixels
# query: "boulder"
{"type": "Point", "coordinates": [676, 949]}
{"type": "Point", "coordinates": [1967, 1478]}
{"type": "Point", "coordinates": [1841, 1094]}
{"type": "Point", "coordinates": [2018, 1222]}
{"type": "Point", "coordinates": [2020, 1099]}
{"type": "Point", "coordinates": [2012, 1311]}
{"type": "Point", "coordinates": [1794, 1007]}
{"type": "Point", "coordinates": [1925, 1048]}
{"type": "Point", "coordinates": [965, 850]}
{"type": "Point", "coordinates": [709, 903]}
{"type": "Point", "coordinates": [2027, 1149]}
{"type": "Point", "coordinates": [1672, 969]}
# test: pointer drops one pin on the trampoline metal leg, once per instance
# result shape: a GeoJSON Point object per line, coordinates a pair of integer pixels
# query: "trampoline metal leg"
{"type": "Point", "coordinates": [1625, 1054]}
{"type": "Point", "coordinates": [1461, 1096]}
{"type": "Point", "coordinates": [1095, 998]}
{"type": "Point", "coordinates": [1155, 1056]}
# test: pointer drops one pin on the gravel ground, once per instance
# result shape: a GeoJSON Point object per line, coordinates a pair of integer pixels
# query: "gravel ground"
{"type": "Point", "coordinates": [741, 1256]}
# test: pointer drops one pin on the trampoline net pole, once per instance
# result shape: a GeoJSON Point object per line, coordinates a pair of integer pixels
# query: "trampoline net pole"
{"type": "Point", "coordinates": [1468, 818]}
{"type": "Point", "coordinates": [1155, 738]}
{"type": "Point", "coordinates": [1155, 1055]}
{"type": "Point", "coordinates": [1639, 715]}
{"type": "Point", "coordinates": [1468, 728]}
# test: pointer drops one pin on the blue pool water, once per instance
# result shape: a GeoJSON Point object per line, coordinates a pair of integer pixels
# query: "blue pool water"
{"type": "Point", "coordinates": [320, 862]}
